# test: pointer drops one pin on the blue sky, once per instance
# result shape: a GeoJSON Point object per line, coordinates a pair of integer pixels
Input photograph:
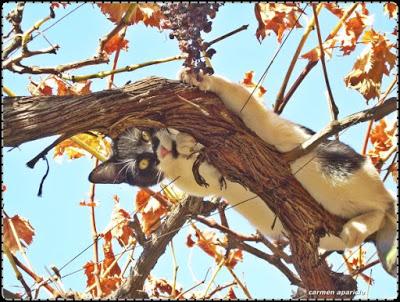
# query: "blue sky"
{"type": "Point", "coordinates": [63, 227]}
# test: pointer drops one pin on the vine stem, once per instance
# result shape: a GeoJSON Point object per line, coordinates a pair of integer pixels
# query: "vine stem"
{"type": "Point", "coordinates": [307, 31]}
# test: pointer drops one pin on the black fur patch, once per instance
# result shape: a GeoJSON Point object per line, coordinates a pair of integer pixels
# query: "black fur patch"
{"type": "Point", "coordinates": [338, 159]}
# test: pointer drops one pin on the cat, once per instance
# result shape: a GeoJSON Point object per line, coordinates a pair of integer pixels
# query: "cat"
{"type": "Point", "coordinates": [341, 180]}
{"type": "Point", "coordinates": [345, 183]}
{"type": "Point", "coordinates": [133, 161]}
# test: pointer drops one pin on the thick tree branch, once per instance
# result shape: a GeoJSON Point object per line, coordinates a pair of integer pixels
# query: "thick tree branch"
{"type": "Point", "coordinates": [375, 113]}
{"type": "Point", "coordinates": [233, 149]}
{"type": "Point", "coordinates": [154, 248]}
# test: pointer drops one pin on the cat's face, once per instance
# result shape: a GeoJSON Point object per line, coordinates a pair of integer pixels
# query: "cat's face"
{"type": "Point", "coordinates": [133, 161]}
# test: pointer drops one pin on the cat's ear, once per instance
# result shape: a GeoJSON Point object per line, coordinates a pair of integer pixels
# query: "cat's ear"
{"type": "Point", "coordinates": [109, 172]}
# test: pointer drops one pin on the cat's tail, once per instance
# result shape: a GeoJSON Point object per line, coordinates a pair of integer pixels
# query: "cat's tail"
{"type": "Point", "coordinates": [386, 242]}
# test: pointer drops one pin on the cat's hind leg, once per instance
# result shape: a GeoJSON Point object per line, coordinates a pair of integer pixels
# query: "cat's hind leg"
{"type": "Point", "coordinates": [358, 228]}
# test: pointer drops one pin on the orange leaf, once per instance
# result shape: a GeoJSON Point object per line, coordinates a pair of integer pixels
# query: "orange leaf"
{"type": "Point", "coordinates": [109, 259]}
{"type": "Point", "coordinates": [234, 257]}
{"type": "Point", "coordinates": [23, 229]}
{"type": "Point", "coordinates": [231, 294]}
{"type": "Point", "coordinates": [119, 225]}
{"type": "Point", "coordinates": [390, 9]}
{"type": "Point", "coordinates": [248, 82]}
{"type": "Point", "coordinates": [369, 68]}
{"type": "Point", "coordinates": [39, 89]}
{"type": "Point", "coordinates": [276, 17]}
{"type": "Point", "coordinates": [59, 4]}
{"type": "Point", "coordinates": [115, 43]}
{"type": "Point", "coordinates": [189, 241]}
{"type": "Point", "coordinates": [334, 9]}
{"type": "Point", "coordinates": [149, 13]}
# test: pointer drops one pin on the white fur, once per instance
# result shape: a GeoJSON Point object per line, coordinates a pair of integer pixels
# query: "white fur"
{"type": "Point", "coordinates": [361, 197]}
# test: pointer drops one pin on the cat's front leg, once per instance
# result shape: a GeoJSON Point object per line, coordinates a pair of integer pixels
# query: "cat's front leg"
{"type": "Point", "coordinates": [357, 229]}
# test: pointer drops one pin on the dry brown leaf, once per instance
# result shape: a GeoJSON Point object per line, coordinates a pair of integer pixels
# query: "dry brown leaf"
{"type": "Point", "coordinates": [276, 17]}
{"type": "Point", "coordinates": [391, 9]}
{"type": "Point", "coordinates": [23, 229]}
{"type": "Point", "coordinates": [375, 61]}
{"type": "Point", "coordinates": [248, 82]}
{"type": "Point", "coordinates": [149, 13]}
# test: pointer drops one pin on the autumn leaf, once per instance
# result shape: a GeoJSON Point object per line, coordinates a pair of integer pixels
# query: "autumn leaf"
{"type": "Point", "coordinates": [39, 89]}
{"type": "Point", "coordinates": [116, 42]}
{"type": "Point", "coordinates": [231, 294]}
{"type": "Point", "coordinates": [390, 9]}
{"type": "Point", "coordinates": [148, 13]}
{"type": "Point", "coordinates": [355, 261]}
{"type": "Point", "coordinates": [375, 61]}
{"type": "Point", "coordinates": [161, 286]}
{"type": "Point", "coordinates": [314, 54]}
{"type": "Point", "coordinates": [334, 9]}
{"type": "Point", "coordinates": [383, 138]}
{"type": "Point", "coordinates": [151, 211]}
{"type": "Point", "coordinates": [94, 141]}
{"type": "Point", "coordinates": [189, 241]}
{"type": "Point", "coordinates": [23, 230]}
{"type": "Point", "coordinates": [248, 82]}
{"type": "Point", "coordinates": [277, 18]}
{"type": "Point", "coordinates": [353, 28]}
{"type": "Point", "coordinates": [64, 88]}
{"type": "Point", "coordinates": [119, 226]}
{"type": "Point", "coordinates": [109, 259]}
{"type": "Point", "coordinates": [107, 284]}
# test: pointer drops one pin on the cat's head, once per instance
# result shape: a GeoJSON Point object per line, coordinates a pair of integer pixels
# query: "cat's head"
{"type": "Point", "coordinates": [133, 161]}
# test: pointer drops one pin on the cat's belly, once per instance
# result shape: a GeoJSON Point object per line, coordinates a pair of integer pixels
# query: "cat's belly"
{"type": "Point", "coordinates": [254, 209]}
{"type": "Point", "coordinates": [358, 193]}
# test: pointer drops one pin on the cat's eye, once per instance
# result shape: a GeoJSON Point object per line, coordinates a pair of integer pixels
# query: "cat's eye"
{"type": "Point", "coordinates": [144, 164]}
{"type": "Point", "coordinates": [146, 136]}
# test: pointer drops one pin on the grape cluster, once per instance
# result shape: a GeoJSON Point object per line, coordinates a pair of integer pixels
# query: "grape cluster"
{"type": "Point", "coordinates": [187, 21]}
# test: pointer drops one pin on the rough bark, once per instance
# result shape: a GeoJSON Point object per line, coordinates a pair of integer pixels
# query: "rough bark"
{"type": "Point", "coordinates": [154, 248]}
{"type": "Point", "coordinates": [237, 152]}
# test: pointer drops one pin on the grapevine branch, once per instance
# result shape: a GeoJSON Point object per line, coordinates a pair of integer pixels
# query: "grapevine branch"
{"type": "Point", "coordinates": [375, 113]}
{"type": "Point", "coordinates": [153, 249]}
{"type": "Point", "coordinates": [154, 102]}
{"type": "Point", "coordinates": [237, 240]}
{"type": "Point", "coordinates": [332, 105]}
{"type": "Point", "coordinates": [310, 65]}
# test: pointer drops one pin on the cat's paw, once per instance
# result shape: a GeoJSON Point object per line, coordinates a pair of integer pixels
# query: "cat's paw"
{"type": "Point", "coordinates": [202, 81]}
{"type": "Point", "coordinates": [186, 144]}
{"type": "Point", "coordinates": [353, 233]}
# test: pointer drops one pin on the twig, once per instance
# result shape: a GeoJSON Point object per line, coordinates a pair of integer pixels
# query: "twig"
{"type": "Point", "coordinates": [364, 268]}
{"type": "Point", "coordinates": [17, 240]}
{"type": "Point", "coordinates": [240, 283]}
{"type": "Point", "coordinates": [154, 248]}
{"type": "Point", "coordinates": [332, 105]}
{"type": "Point", "coordinates": [231, 33]}
{"type": "Point", "coordinates": [35, 277]}
{"type": "Point", "coordinates": [190, 289]}
{"type": "Point", "coordinates": [311, 65]}
{"type": "Point", "coordinates": [96, 271]}
{"type": "Point", "coordinates": [376, 113]}
{"type": "Point", "coordinates": [175, 269]}
{"type": "Point", "coordinates": [218, 289]}
{"type": "Point", "coordinates": [237, 241]}
{"type": "Point", "coordinates": [214, 275]}
{"type": "Point", "coordinates": [15, 17]}
{"type": "Point", "coordinates": [158, 196]}
{"type": "Point", "coordinates": [103, 74]}
{"type": "Point", "coordinates": [394, 161]}
{"type": "Point", "coordinates": [18, 274]}
{"type": "Point", "coordinates": [215, 225]}
{"type": "Point", "coordinates": [31, 164]}
{"type": "Point", "coordinates": [116, 57]}
{"type": "Point", "coordinates": [8, 91]}
{"type": "Point", "coordinates": [307, 31]}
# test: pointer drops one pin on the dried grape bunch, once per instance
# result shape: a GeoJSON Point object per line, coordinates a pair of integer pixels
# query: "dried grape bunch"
{"type": "Point", "coordinates": [187, 21]}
